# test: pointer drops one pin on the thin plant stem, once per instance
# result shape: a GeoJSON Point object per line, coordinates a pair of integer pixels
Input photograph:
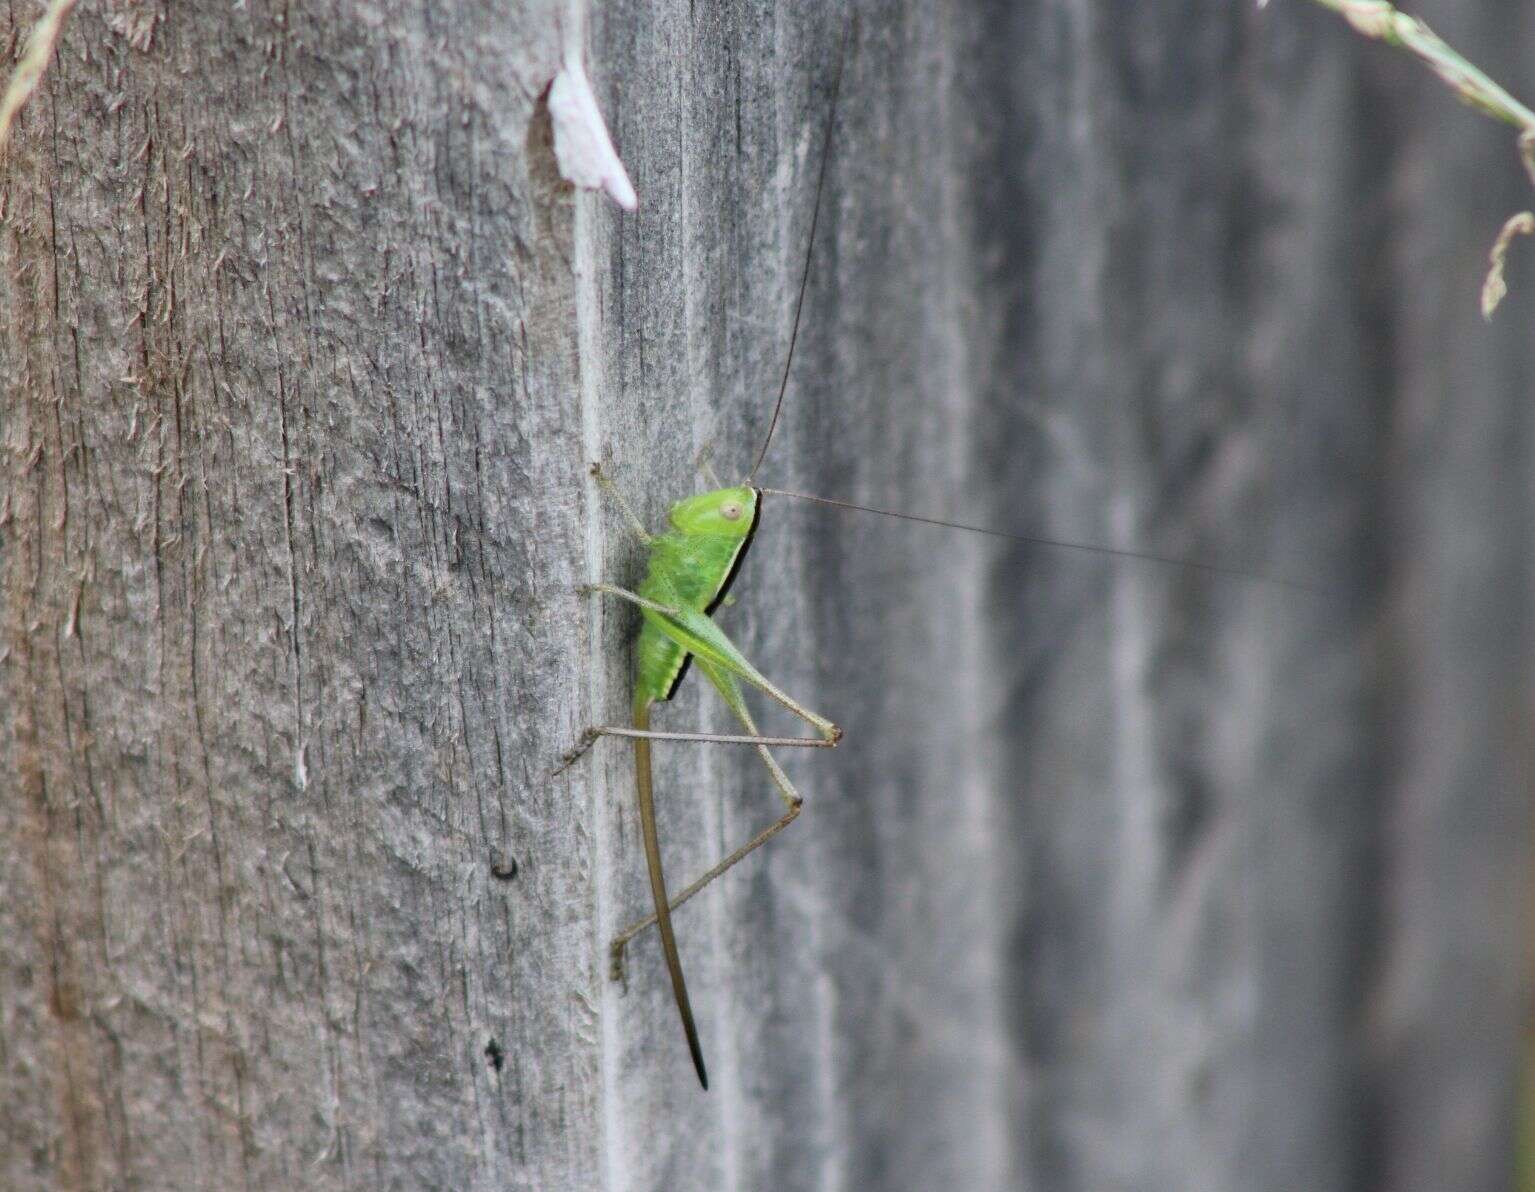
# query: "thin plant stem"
{"type": "Point", "coordinates": [1384, 22]}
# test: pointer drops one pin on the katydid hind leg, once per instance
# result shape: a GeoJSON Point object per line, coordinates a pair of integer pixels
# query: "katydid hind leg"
{"type": "Point", "coordinates": [697, 633]}
{"type": "Point", "coordinates": [731, 693]}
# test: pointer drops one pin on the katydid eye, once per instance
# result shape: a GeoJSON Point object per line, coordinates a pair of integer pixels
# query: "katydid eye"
{"type": "Point", "coordinates": [731, 510]}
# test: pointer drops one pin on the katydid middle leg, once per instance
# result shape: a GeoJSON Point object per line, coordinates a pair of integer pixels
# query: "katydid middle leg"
{"type": "Point", "coordinates": [706, 641]}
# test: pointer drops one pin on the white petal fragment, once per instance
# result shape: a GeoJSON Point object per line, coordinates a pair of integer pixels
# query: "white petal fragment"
{"type": "Point", "coordinates": [581, 144]}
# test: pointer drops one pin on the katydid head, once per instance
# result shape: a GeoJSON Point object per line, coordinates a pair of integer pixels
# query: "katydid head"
{"type": "Point", "coordinates": [725, 512]}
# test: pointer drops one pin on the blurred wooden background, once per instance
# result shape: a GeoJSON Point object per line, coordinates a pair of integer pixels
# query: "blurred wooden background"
{"type": "Point", "coordinates": [1125, 877]}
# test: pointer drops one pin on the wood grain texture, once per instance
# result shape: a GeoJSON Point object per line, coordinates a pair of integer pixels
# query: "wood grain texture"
{"type": "Point", "coordinates": [295, 507]}
{"type": "Point", "coordinates": [1124, 876]}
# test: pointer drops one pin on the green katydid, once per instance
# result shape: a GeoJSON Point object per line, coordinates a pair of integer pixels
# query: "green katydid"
{"type": "Point", "coordinates": [690, 570]}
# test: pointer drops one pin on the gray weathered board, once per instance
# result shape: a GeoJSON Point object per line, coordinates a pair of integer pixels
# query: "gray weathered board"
{"type": "Point", "coordinates": [1124, 877]}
